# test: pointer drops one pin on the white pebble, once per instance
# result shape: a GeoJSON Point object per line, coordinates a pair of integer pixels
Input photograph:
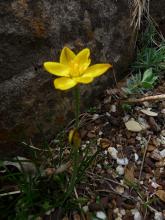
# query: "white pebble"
{"type": "Point", "coordinates": [158, 216]}
{"type": "Point", "coordinates": [107, 114]}
{"type": "Point", "coordinates": [122, 161]}
{"type": "Point", "coordinates": [100, 133]}
{"type": "Point", "coordinates": [120, 170]}
{"type": "Point", "coordinates": [116, 210]}
{"type": "Point", "coordinates": [113, 152]}
{"type": "Point", "coordinates": [162, 153]}
{"type": "Point", "coordinates": [95, 116]}
{"type": "Point", "coordinates": [100, 215]}
{"type": "Point", "coordinates": [122, 211]}
{"type": "Point", "coordinates": [163, 133]}
{"type": "Point", "coordinates": [155, 185]}
{"type": "Point", "coordinates": [118, 218]}
{"type": "Point", "coordinates": [136, 213]}
{"type": "Point", "coordinates": [113, 108]}
{"type": "Point", "coordinates": [85, 208]}
{"type": "Point", "coordinates": [120, 189]}
{"type": "Point", "coordinates": [163, 111]}
{"type": "Point", "coordinates": [136, 156]}
{"type": "Point", "coordinates": [99, 166]}
{"type": "Point", "coordinates": [162, 139]}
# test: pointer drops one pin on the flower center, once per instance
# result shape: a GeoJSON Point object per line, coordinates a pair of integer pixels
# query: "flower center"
{"type": "Point", "coordinates": [74, 69]}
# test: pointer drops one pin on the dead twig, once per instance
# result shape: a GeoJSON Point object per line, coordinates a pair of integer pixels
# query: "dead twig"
{"type": "Point", "coordinates": [79, 204]}
{"type": "Point", "coordinates": [107, 179]}
{"type": "Point", "coordinates": [145, 151]}
{"type": "Point", "coordinates": [51, 170]}
{"type": "Point", "coordinates": [144, 99]}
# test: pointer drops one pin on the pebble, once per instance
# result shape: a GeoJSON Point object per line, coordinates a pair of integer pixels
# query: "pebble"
{"type": "Point", "coordinates": [122, 161]}
{"type": "Point", "coordinates": [100, 133]}
{"type": "Point", "coordinates": [101, 215]}
{"type": "Point", "coordinates": [136, 213]}
{"type": "Point", "coordinates": [107, 114]}
{"type": "Point", "coordinates": [95, 116]}
{"type": "Point", "coordinates": [158, 216]}
{"type": "Point", "coordinates": [113, 152]}
{"type": "Point", "coordinates": [113, 108]}
{"type": "Point", "coordinates": [155, 185]}
{"type": "Point", "coordinates": [162, 139]}
{"type": "Point", "coordinates": [163, 111]}
{"type": "Point", "coordinates": [156, 155]}
{"type": "Point", "coordinates": [136, 156]}
{"type": "Point", "coordinates": [120, 170]}
{"type": "Point", "coordinates": [116, 210]}
{"type": "Point", "coordinates": [163, 133]}
{"type": "Point", "coordinates": [122, 211]}
{"type": "Point", "coordinates": [120, 189]}
{"type": "Point", "coordinates": [118, 218]}
{"type": "Point", "coordinates": [162, 153]}
{"type": "Point", "coordinates": [85, 208]}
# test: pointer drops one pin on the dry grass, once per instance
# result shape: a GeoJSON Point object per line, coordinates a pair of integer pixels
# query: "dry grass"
{"type": "Point", "coordinates": [141, 7]}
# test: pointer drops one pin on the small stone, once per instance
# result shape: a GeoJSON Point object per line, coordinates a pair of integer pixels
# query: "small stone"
{"type": "Point", "coordinates": [122, 211]}
{"type": "Point", "coordinates": [99, 166]}
{"type": "Point", "coordinates": [116, 210]}
{"type": "Point", "coordinates": [100, 215]}
{"type": "Point", "coordinates": [100, 133]}
{"type": "Point", "coordinates": [162, 139]}
{"type": "Point", "coordinates": [120, 189]}
{"type": "Point", "coordinates": [163, 133]}
{"type": "Point", "coordinates": [120, 170]}
{"type": "Point", "coordinates": [146, 104]}
{"type": "Point", "coordinates": [163, 111]}
{"type": "Point", "coordinates": [136, 214]}
{"type": "Point", "coordinates": [136, 156]}
{"type": "Point", "coordinates": [156, 155]}
{"type": "Point", "coordinates": [155, 185]}
{"type": "Point", "coordinates": [122, 161]}
{"type": "Point", "coordinates": [85, 208]}
{"type": "Point", "coordinates": [113, 108]}
{"type": "Point", "coordinates": [158, 216]}
{"type": "Point", "coordinates": [113, 152]}
{"type": "Point", "coordinates": [118, 218]}
{"type": "Point", "coordinates": [95, 117]}
{"type": "Point", "coordinates": [162, 153]}
{"type": "Point", "coordinates": [107, 114]}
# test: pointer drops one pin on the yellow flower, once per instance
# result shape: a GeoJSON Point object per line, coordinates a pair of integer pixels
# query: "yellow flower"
{"type": "Point", "coordinates": [74, 69]}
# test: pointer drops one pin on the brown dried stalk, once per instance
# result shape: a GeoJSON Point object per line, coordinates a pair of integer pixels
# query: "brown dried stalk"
{"type": "Point", "coordinates": [144, 99]}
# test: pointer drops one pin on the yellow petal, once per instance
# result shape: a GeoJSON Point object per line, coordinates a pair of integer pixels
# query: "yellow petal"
{"type": "Point", "coordinates": [64, 83]}
{"type": "Point", "coordinates": [82, 58]}
{"type": "Point", "coordinates": [84, 79]}
{"type": "Point", "coordinates": [57, 69]}
{"type": "Point", "coordinates": [66, 56]}
{"type": "Point", "coordinates": [97, 70]}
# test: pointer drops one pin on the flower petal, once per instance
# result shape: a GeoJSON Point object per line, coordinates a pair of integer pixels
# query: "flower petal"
{"type": "Point", "coordinates": [64, 83]}
{"type": "Point", "coordinates": [84, 79]}
{"type": "Point", "coordinates": [82, 58]}
{"type": "Point", "coordinates": [57, 69]}
{"type": "Point", "coordinates": [97, 70]}
{"type": "Point", "coordinates": [66, 56]}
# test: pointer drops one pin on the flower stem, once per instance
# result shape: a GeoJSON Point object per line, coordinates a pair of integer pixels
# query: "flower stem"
{"type": "Point", "coordinates": [75, 149]}
{"type": "Point", "coordinates": [73, 179]}
{"type": "Point", "coordinates": [77, 105]}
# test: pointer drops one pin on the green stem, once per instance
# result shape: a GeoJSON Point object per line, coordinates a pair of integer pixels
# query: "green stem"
{"type": "Point", "coordinates": [74, 150]}
{"type": "Point", "coordinates": [77, 105]}
{"type": "Point", "coordinates": [74, 175]}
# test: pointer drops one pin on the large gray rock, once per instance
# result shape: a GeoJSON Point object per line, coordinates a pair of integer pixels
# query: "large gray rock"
{"type": "Point", "coordinates": [32, 32]}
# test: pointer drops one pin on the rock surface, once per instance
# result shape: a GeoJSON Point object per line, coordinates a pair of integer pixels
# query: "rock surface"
{"type": "Point", "coordinates": [32, 32]}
